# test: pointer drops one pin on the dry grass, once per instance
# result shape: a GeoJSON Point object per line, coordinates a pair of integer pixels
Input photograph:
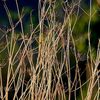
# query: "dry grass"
{"type": "Point", "coordinates": [41, 79]}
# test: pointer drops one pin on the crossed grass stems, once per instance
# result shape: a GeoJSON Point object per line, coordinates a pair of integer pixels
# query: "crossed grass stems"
{"type": "Point", "coordinates": [45, 82]}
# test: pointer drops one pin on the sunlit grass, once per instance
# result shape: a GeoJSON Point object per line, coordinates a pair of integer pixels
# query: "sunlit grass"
{"type": "Point", "coordinates": [37, 61]}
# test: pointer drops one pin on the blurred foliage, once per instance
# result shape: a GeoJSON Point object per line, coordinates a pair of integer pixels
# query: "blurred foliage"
{"type": "Point", "coordinates": [81, 29]}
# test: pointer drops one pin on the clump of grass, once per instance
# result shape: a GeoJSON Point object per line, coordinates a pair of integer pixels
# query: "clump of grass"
{"type": "Point", "coordinates": [43, 71]}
